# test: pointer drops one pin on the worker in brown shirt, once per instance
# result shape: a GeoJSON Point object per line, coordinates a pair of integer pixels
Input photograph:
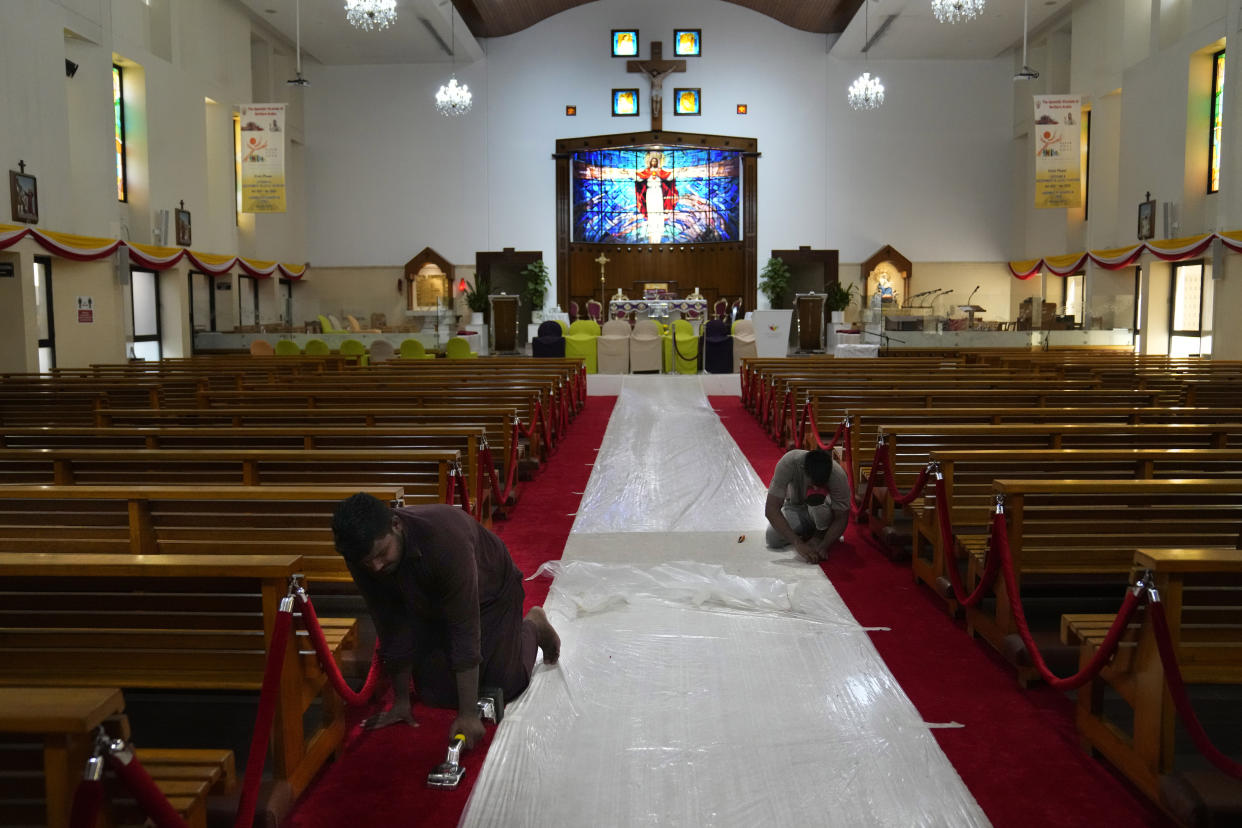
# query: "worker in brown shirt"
{"type": "Point", "coordinates": [446, 598]}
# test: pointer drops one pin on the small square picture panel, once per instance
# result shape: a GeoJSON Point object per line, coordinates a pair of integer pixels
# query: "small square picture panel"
{"type": "Point", "coordinates": [687, 102]}
{"type": "Point", "coordinates": [742, 109]}
{"type": "Point", "coordinates": [688, 42]}
{"type": "Point", "coordinates": [625, 102]}
{"type": "Point", "coordinates": [625, 43]}
{"type": "Point", "coordinates": [571, 110]}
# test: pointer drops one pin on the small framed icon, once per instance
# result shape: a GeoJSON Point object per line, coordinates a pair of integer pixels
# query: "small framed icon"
{"type": "Point", "coordinates": [571, 110]}
{"type": "Point", "coordinates": [742, 109]}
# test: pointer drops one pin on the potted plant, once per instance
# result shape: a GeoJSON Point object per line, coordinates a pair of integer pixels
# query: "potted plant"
{"type": "Point", "coordinates": [537, 285]}
{"type": "Point", "coordinates": [839, 298]}
{"type": "Point", "coordinates": [476, 300]}
{"type": "Point", "coordinates": [774, 281]}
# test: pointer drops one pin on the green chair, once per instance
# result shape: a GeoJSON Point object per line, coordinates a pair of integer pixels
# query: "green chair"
{"type": "Point", "coordinates": [564, 326]}
{"type": "Point", "coordinates": [458, 348]}
{"type": "Point", "coordinates": [354, 348]}
{"type": "Point", "coordinates": [317, 347]}
{"type": "Point", "coordinates": [287, 347]}
{"type": "Point", "coordinates": [580, 343]}
{"type": "Point", "coordinates": [413, 349]}
{"type": "Point", "coordinates": [686, 360]}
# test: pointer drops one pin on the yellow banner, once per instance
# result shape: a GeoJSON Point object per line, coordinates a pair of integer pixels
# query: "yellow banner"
{"type": "Point", "coordinates": [1057, 131]}
{"type": "Point", "coordinates": [262, 148]}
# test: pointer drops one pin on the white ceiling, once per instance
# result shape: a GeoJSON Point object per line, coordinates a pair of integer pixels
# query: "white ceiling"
{"type": "Point", "coordinates": [913, 33]}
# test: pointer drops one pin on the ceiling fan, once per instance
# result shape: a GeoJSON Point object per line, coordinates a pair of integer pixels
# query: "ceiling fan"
{"type": "Point", "coordinates": [299, 80]}
{"type": "Point", "coordinates": [1026, 73]}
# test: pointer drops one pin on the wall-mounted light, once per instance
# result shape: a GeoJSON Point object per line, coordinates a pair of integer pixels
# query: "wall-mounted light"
{"type": "Point", "coordinates": [461, 285]}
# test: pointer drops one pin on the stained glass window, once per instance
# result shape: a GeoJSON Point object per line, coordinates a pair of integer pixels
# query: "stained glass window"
{"type": "Point", "coordinates": [655, 195]}
{"type": "Point", "coordinates": [1218, 99]}
{"type": "Point", "coordinates": [118, 117]}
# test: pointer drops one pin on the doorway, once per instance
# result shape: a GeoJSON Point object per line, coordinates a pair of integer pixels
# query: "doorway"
{"type": "Point", "coordinates": [43, 313]}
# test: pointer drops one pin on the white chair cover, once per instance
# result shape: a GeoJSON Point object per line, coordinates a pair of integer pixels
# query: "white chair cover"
{"type": "Point", "coordinates": [646, 347]}
{"type": "Point", "coordinates": [382, 351]}
{"type": "Point", "coordinates": [743, 342]}
{"type": "Point", "coordinates": [613, 347]}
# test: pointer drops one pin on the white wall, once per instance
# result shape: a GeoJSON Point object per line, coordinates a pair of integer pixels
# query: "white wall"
{"type": "Point", "coordinates": [927, 173]}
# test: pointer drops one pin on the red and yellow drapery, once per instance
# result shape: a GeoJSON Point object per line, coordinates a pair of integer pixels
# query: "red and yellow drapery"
{"type": "Point", "coordinates": [1168, 250]}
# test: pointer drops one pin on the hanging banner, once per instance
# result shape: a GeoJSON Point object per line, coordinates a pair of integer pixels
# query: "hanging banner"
{"type": "Point", "coordinates": [1058, 170]}
{"type": "Point", "coordinates": [262, 148]}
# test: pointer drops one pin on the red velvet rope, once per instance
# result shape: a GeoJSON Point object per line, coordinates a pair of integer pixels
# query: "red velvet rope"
{"type": "Point", "coordinates": [778, 422]}
{"type": "Point", "coordinates": [150, 798]}
{"type": "Point", "coordinates": [949, 544]}
{"type": "Point", "coordinates": [859, 510]}
{"type": "Point", "coordinates": [480, 489]}
{"type": "Point", "coordinates": [263, 720]}
{"type": "Point", "coordinates": [486, 459]}
{"type": "Point", "coordinates": [886, 466]}
{"type": "Point", "coordinates": [86, 801]}
{"type": "Point", "coordinates": [1000, 546]}
{"type": "Point", "coordinates": [463, 488]}
{"type": "Point", "coordinates": [310, 622]}
{"type": "Point", "coordinates": [451, 495]}
{"type": "Point", "coordinates": [849, 461]}
{"type": "Point", "coordinates": [1181, 700]}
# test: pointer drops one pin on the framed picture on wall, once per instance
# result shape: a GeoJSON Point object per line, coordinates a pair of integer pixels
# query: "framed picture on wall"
{"type": "Point", "coordinates": [625, 103]}
{"type": "Point", "coordinates": [24, 197]}
{"type": "Point", "coordinates": [183, 226]}
{"type": "Point", "coordinates": [625, 43]}
{"type": "Point", "coordinates": [688, 42]}
{"type": "Point", "coordinates": [687, 102]}
{"type": "Point", "coordinates": [1147, 219]}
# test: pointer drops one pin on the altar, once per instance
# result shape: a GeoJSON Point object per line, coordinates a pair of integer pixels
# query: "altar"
{"type": "Point", "coordinates": [657, 308]}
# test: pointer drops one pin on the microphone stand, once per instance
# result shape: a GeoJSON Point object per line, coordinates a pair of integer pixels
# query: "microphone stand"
{"type": "Point", "coordinates": [884, 338]}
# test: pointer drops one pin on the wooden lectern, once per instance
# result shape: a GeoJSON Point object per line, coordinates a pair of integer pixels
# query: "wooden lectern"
{"type": "Point", "coordinates": [504, 323]}
{"type": "Point", "coordinates": [809, 310]}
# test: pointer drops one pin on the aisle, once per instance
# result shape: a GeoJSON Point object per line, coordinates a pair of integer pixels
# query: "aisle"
{"type": "Point", "coordinates": [704, 680]}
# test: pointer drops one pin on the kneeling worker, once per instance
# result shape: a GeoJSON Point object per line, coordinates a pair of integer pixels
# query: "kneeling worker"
{"type": "Point", "coordinates": [808, 504]}
{"type": "Point", "coordinates": [446, 598]}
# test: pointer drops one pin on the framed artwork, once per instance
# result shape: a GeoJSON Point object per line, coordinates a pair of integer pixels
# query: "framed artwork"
{"type": "Point", "coordinates": [688, 42]}
{"type": "Point", "coordinates": [742, 109]}
{"type": "Point", "coordinates": [625, 103]}
{"type": "Point", "coordinates": [687, 101]}
{"type": "Point", "coordinates": [625, 43]}
{"type": "Point", "coordinates": [24, 197]}
{"type": "Point", "coordinates": [183, 227]}
{"type": "Point", "coordinates": [1147, 219]}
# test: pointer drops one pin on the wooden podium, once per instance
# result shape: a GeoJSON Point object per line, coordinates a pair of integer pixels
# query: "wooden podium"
{"type": "Point", "coordinates": [970, 311]}
{"type": "Point", "coordinates": [809, 309]}
{"type": "Point", "coordinates": [504, 323]}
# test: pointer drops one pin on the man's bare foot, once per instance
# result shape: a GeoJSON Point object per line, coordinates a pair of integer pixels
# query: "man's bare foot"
{"type": "Point", "coordinates": [546, 637]}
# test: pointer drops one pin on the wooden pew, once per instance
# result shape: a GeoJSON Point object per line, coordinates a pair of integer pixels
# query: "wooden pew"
{"type": "Point", "coordinates": [467, 440]}
{"type": "Point", "coordinates": [46, 735]}
{"type": "Point", "coordinates": [968, 477]}
{"type": "Point", "coordinates": [1072, 543]}
{"type": "Point", "coordinates": [181, 622]}
{"type": "Point", "coordinates": [910, 447]}
{"type": "Point", "coordinates": [1201, 590]}
{"type": "Point", "coordinates": [419, 473]}
{"type": "Point", "coordinates": [200, 520]}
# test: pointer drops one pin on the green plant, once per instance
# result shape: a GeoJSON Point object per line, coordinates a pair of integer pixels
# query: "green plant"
{"type": "Point", "coordinates": [476, 297]}
{"type": "Point", "coordinates": [838, 297]}
{"type": "Point", "coordinates": [774, 280]}
{"type": "Point", "coordinates": [537, 284]}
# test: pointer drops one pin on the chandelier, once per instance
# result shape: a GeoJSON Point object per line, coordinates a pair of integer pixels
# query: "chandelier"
{"type": "Point", "coordinates": [866, 92]}
{"type": "Point", "coordinates": [956, 11]}
{"type": "Point", "coordinates": [453, 99]}
{"type": "Point", "coordinates": [371, 14]}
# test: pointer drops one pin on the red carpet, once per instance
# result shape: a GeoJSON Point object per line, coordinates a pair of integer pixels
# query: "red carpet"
{"type": "Point", "coordinates": [1018, 752]}
{"type": "Point", "coordinates": [380, 778]}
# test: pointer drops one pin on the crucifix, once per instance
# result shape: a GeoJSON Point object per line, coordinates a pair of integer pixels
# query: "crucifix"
{"type": "Point", "coordinates": [657, 69]}
{"type": "Point", "coordinates": [603, 292]}
{"type": "Point", "coordinates": [21, 165]}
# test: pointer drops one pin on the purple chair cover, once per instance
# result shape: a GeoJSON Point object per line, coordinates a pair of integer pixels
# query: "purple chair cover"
{"type": "Point", "coordinates": [549, 341]}
{"type": "Point", "coordinates": [717, 348]}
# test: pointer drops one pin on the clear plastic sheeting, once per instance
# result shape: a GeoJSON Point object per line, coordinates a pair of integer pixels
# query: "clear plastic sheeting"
{"type": "Point", "coordinates": [668, 465]}
{"type": "Point", "coordinates": [704, 680]}
{"type": "Point", "coordinates": [705, 699]}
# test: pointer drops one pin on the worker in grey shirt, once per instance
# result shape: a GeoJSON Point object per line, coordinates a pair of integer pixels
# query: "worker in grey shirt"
{"type": "Point", "coordinates": [808, 504]}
